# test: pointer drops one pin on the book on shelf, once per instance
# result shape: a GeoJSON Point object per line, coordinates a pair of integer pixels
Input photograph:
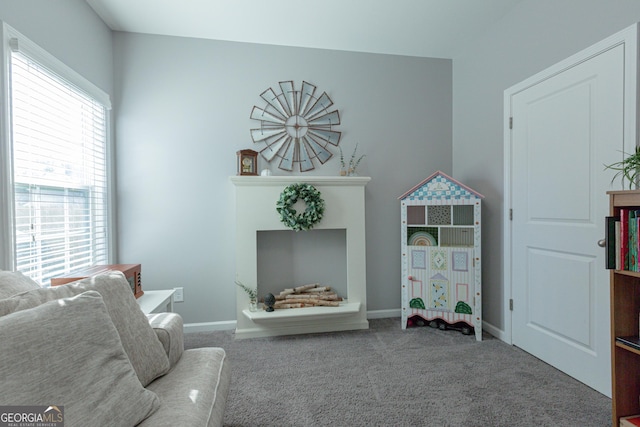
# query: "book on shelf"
{"type": "Point", "coordinates": [632, 238]}
{"type": "Point", "coordinates": [633, 341]}
{"type": "Point", "coordinates": [610, 242]}
{"type": "Point", "coordinates": [631, 421]}
{"type": "Point", "coordinates": [618, 247]}
{"type": "Point", "coordinates": [624, 239]}
{"type": "Point", "coordinates": [634, 221]}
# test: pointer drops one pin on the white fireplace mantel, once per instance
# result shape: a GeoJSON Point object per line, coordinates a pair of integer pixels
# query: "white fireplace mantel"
{"type": "Point", "coordinates": [274, 180]}
{"type": "Point", "coordinates": [256, 198]}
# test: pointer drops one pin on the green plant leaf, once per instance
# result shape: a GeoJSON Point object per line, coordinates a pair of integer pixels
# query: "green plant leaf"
{"type": "Point", "coordinates": [627, 168]}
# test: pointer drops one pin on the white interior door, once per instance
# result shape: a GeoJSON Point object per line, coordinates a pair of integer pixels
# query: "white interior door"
{"type": "Point", "coordinates": [566, 126]}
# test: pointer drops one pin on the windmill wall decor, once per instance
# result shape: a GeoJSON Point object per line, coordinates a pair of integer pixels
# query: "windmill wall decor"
{"type": "Point", "coordinates": [296, 126]}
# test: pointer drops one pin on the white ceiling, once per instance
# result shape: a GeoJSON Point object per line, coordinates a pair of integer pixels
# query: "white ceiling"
{"type": "Point", "coordinates": [428, 28]}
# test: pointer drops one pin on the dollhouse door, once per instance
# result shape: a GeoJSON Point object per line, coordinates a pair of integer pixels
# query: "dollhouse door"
{"type": "Point", "coordinates": [566, 125]}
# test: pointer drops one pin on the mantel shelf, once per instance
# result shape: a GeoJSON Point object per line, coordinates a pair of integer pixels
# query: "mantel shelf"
{"type": "Point", "coordinates": [293, 314]}
{"type": "Point", "coordinates": [272, 180]}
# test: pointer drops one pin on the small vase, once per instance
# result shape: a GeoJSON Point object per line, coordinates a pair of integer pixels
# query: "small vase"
{"type": "Point", "coordinates": [352, 172]}
{"type": "Point", "coordinates": [253, 305]}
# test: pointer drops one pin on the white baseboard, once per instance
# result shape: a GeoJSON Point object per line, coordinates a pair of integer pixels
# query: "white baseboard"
{"type": "Point", "coordinates": [490, 329]}
{"type": "Point", "coordinates": [210, 326]}
{"type": "Point", "coordinates": [383, 314]}
{"type": "Point", "coordinates": [375, 314]}
{"type": "Point", "coordinates": [231, 324]}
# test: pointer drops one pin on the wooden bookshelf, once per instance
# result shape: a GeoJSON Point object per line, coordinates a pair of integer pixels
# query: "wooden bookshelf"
{"type": "Point", "coordinates": [625, 311]}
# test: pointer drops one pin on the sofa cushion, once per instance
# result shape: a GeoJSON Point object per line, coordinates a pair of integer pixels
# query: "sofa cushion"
{"type": "Point", "coordinates": [194, 392]}
{"type": "Point", "coordinates": [169, 329]}
{"type": "Point", "coordinates": [68, 353]}
{"type": "Point", "coordinates": [14, 282]}
{"type": "Point", "coordinates": [138, 338]}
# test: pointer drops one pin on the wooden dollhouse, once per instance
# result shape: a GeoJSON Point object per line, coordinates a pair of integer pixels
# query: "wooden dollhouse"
{"type": "Point", "coordinates": [441, 274]}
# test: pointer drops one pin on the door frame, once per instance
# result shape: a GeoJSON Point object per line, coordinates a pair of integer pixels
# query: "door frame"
{"type": "Point", "coordinates": [627, 37]}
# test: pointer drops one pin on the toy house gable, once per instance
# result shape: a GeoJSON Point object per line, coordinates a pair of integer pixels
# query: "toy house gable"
{"type": "Point", "coordinates": [440, 186]}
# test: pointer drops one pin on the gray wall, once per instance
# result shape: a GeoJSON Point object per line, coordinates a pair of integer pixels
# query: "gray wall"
{"type": "Point", "coordinates": [182, 107]}
{"type": "Point", "coordinates": [72, 32]}
{"type": "Point", "coordinates": [68, 29]}
{"type": "Point", "coordinates": [183, 110]}
{"type": "Point", "coordinates": [532, 37]}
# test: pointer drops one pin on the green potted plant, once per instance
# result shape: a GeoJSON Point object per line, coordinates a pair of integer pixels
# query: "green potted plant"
{"type": "Point", "coordinates": [627, 168]}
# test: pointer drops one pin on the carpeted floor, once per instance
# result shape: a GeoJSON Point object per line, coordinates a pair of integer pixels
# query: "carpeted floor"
{"type": "Point", "coordinates": [385, 376]}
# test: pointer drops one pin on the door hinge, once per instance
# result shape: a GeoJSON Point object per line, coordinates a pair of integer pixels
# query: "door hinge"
{"type": "Point", "coordinates": [510, 214]}
{"type": "Point", "coordinates": [510, 122]}
{"type": "Point", "coordinates": [511, 304]}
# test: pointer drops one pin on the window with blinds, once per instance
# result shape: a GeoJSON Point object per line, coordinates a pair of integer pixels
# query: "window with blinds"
{"type": "Point", "coordinates": [60, 177]}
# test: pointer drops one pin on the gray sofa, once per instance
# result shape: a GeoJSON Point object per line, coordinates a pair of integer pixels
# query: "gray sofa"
{"type": "Point", "coordinates": [87, 348]}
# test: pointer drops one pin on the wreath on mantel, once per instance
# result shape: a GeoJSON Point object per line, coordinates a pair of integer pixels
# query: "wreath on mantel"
{"type": "Point", "coordinates": [312, 213]}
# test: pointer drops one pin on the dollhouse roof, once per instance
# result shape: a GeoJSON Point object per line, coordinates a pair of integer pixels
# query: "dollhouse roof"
{"type": "Point", "coordinates": [440, 185]}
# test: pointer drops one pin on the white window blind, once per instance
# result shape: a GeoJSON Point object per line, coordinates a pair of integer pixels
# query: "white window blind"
{"type": "Point", "coordinates": [60, 177]}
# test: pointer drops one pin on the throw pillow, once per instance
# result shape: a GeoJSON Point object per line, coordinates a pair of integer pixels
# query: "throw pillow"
{"type": "Point", "coordinates": [139, 340]}
{"type": "Point", "coordinates": [14, 282]}
{"type": "Point", "coordinates": [68, 353]}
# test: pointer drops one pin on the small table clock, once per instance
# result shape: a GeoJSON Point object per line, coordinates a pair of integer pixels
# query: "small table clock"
{"type": "Point", "coordinates": [247, 162]}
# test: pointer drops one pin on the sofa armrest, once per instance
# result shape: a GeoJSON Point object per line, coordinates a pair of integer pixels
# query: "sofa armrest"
{"type": "Point", "coordinates": [169, 329]}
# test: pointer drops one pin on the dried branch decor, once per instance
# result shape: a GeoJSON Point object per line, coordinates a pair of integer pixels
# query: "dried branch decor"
{"type": "Point", "coordinates": [252, 293]}
{"type": "Point", "coordinates": [353, 162]}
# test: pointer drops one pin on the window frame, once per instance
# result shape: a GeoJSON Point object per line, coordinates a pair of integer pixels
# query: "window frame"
{"type": "Point", "coordinates": [11, 40]}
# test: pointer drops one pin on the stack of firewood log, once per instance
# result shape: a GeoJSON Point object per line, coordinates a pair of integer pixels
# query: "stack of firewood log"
{"type": "Point", "coordinates": [312, 295]}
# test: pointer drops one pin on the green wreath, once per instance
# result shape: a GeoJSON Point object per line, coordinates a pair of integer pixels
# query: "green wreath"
{"type": "Point", "coordinates": [311, 215]}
